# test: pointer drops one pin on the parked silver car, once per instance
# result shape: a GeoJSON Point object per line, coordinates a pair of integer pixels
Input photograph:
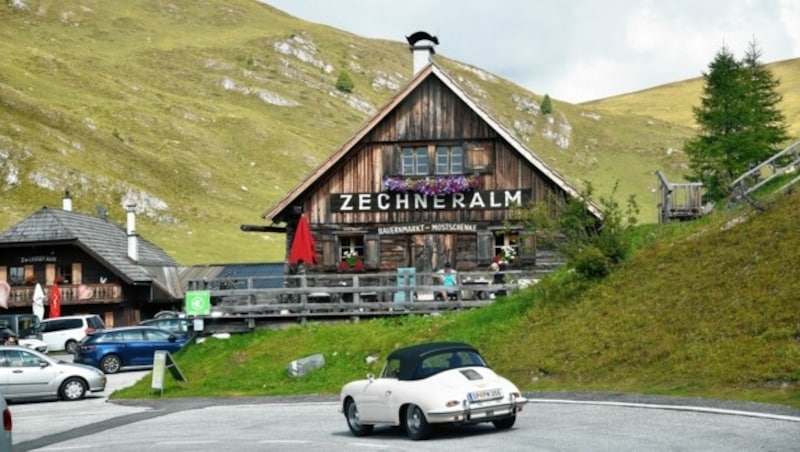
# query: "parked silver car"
{"type": "Point", "coordinates": [28, 374]}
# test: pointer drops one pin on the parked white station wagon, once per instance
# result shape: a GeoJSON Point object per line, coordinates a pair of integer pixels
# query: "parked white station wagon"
{"type": "Point", "coordinates": [64, 333]}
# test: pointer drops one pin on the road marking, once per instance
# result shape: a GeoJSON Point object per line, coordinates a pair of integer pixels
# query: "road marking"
{"type": "Point", "coordinates": [673, 407]}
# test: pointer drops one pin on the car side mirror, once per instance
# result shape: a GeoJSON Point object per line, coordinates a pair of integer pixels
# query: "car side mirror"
{"type": "Point", "coordinates": [172, 338]}
{"type": "Point", "coordinates": [43, 363]}
{"type": "Point", "coordinates": [370, 377]}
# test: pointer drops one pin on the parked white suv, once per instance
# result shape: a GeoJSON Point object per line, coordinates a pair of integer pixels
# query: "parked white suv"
{"type": "Point", "coordinates": [64, 333]}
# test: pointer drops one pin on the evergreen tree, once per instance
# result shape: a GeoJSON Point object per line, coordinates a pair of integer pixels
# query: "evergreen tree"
{"type": "Point", "coordinates": [344, 83]}
{"type": "Point", "coordinates": [739, 122]}
{"type": "Point", "coordinates": [547, 105]}
{"type": "Point", "coordinates": [768, 129]}
{"type": "Point", "coordinates": [720, 116]}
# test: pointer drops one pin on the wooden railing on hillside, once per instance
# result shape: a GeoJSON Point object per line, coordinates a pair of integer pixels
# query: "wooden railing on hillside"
{"type": "Point", "coordinates": [785, 162]}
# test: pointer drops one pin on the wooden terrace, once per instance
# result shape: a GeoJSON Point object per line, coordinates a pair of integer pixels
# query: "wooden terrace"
{"type": "Point", "coordinates": [240, 305]}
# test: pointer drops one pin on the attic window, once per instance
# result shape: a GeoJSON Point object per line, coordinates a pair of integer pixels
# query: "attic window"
{"type": "Point", "coordinates": [415, 161]}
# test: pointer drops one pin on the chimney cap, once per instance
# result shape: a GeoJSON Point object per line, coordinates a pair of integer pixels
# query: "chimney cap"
{"type": "Point", "coordinates": [421, 36]}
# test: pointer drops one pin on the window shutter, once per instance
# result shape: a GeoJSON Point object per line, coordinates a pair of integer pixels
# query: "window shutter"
{"type": "Point", "coordinates": [328, 250]}
{"type": "Point", "coordinates": [50, 274]}
{"type": "Point", "coordinates": [391, 160]}
{"type": "Point", "coordinates": [527, 249]}
{"type": "Point", "coordinates": [478, 158]}
{"type": "Point", "coordinates": [485, 247]}
{"type": "Point", "coordinates": [77, 277]}
{"type": "Point", "coordinates": [372, 250]}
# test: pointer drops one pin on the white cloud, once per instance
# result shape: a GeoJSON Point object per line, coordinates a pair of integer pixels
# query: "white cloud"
{"type": "Point", "coordinates": [580, 50]}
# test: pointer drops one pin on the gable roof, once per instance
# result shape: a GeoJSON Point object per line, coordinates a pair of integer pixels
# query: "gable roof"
{"type": "Point", "coordinates": [277, 212]}
{"type": "Point", "coordinates": [102, 239]}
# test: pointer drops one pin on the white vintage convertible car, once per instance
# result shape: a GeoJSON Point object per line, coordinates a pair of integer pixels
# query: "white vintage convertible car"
{"type": "Point", "coordinates": [433, 383]}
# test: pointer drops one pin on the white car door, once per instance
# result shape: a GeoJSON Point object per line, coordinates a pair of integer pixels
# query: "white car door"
{"type": "Point", "coordinates": [377, 401]}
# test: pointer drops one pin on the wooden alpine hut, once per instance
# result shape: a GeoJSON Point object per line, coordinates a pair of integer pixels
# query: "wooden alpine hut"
{"type": "Point", "coordinates": [431, 178]}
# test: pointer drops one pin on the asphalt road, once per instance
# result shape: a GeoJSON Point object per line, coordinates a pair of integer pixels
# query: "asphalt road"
{"type": "Point", "coordinates": [569, 422]}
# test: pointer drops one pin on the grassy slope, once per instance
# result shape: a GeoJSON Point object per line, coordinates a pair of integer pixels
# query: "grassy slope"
{"type": "Point", "coordinates": [161, 100]}
{"type": "Point", "coordinates": [719, 322]}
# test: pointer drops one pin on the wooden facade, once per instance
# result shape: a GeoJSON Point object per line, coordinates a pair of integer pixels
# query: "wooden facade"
{"type": "Point", "coordinates": [351, 207]}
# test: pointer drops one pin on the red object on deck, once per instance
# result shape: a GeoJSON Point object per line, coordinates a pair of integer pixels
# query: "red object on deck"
{"type": "Point", "coordinates": [302, 250]}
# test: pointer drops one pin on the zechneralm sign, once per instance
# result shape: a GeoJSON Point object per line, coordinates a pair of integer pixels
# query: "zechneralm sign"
{"type": "Point", "coordinates": [394, 202]}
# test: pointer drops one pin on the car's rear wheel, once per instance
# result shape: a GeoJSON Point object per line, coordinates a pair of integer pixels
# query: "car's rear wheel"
{"type": "Point", "coordinates": [505, 423]}
{"type": "Point", "coordinates": [111, 364]}
{"type": "Point", "coordinates": [416, 425]}
{"type": "Point", "coordinates": [354, 420]}
{"type": "Point", "coordinates": [71, 347]}
{"type": "Point", "coordinates": [72, 389]}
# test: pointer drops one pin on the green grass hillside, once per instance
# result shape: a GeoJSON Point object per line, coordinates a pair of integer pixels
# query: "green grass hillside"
{"type": "Point", "coordinates": [703, 309]}
{"type": "Point", "coordinates": [673, 102]}
{"type": "Point", "coordinates": [206, 113]}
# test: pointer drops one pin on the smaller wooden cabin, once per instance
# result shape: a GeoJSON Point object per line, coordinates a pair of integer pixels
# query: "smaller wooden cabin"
{"type": "Point", "coordinates": [100, 267]}
{"type": "Point", "coordinates": [683, 201]}
{"type": "Point", "coordinates": [431, 178]}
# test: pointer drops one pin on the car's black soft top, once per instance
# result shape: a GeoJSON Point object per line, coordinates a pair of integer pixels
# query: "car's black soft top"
{"type": "Point", "coordinates": [411, 356]}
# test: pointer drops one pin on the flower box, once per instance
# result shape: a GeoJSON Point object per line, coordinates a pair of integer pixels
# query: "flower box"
{"type": "Point", "coordinates": [432, 185]}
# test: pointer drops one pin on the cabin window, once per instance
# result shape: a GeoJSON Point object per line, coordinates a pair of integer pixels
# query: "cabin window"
{"type": "Point", "coordinates": [415, 161]}
{"type": "Point", "coordinates": [65, 274]}
{"type": "Point", "coordinates": [351, 246]}
{"type": "Point", "coordinates": [16, 276]}
{"type": "Point", "coordinates": [506, 246]}
{"type": "Point", "coordinates": [449, 160]}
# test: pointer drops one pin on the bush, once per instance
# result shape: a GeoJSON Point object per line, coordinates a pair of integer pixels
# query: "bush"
{"type": "Point", "coordinates": [344, 83]}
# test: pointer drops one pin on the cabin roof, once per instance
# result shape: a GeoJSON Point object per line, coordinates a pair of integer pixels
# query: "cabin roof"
{"type": "Point", "coordinates": [102, 239]}
{"type": "Point", "coordinates": [278, 212]}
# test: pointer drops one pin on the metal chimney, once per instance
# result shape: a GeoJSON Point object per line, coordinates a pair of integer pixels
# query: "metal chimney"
{"type": "Point", "coordinates": [421, 45]}
{"type": "Point", "coordinates": [133, 239]}
{"type": "Point", "coordinates": [66, 202]}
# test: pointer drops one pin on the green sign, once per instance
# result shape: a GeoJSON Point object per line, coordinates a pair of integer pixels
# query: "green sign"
{"type": "Point", "coordinates": [198, 302]}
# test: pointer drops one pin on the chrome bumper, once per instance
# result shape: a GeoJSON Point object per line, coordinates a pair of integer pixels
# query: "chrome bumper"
{"type": "Point", "coordinates": [469, 413]}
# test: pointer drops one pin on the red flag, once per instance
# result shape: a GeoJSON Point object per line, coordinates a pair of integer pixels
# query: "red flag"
{"type": "Point", "coordinates": [55, 301]}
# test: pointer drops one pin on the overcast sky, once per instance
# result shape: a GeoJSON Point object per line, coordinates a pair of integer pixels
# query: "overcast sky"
{"type": "Point", "coordinates": [574, 50]}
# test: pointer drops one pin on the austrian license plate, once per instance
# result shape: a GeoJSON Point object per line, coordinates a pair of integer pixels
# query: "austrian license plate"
{"type": "Point", "coordinates": [488, 394]}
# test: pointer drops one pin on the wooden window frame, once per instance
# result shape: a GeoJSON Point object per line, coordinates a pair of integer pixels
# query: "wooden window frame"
{"type": "Point", "coordinates": [414, 164]}
{"type": "Point", "coordinates": [351, 242]}
{"type": "Point", "coordinates": [446, 162]}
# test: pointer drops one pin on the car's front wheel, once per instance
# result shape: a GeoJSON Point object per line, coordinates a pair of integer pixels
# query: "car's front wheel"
{"type": "Point", "coordinates": [354, 421]}
{"type": "Point", "coordinates": [416, 425]}
{"type": "Point", "coordinates": [505, 423]}
{"type": "Point", "coordinates": [111, 364]}
{"type": "Point", "coordinates": [72, 389]}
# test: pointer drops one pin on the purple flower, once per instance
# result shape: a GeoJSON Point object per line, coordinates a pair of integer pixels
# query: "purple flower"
{"type": "Point", "coordinates": [431, 186]}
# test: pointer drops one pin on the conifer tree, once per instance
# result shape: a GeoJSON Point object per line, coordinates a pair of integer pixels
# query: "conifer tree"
{"type": "Point", "coordinates": [547, 105]}
{"type": "Point", "coordinates": [740, 124]}
{"type": "Point", "coordinates": [768, 129]}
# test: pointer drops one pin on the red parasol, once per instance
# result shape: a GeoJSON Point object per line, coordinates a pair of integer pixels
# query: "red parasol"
{"type": "Point", "coordinates": [302, 244]}
{"type": "Point", "coordinates": [55, 301]}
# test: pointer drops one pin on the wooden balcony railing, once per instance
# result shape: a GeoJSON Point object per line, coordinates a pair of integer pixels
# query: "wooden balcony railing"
{"type": "Point", "coordinates": [71, 294]}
